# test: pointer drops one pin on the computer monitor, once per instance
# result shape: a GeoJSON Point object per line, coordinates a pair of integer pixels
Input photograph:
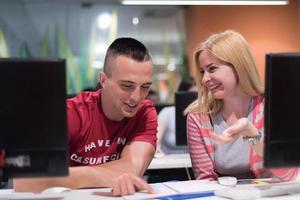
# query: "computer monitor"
{"type": "Point", "coordinates": [33, 117]}
{"type": "Point", "coordinates": [282, 110]}
{"type": "Point", "coordinates": [182, 100]}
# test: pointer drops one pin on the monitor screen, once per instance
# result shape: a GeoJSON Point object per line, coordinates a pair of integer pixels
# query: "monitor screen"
{"type": "Point", "coordinates": [282, 110]}
{"type": "Point", "coordinates": [33, 117]}
{"type": "Point", "coordinates": [182, 100]}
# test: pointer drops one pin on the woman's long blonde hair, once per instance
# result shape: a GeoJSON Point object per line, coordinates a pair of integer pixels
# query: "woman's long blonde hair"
{"type": "Point", "coordinates": [230, 47]}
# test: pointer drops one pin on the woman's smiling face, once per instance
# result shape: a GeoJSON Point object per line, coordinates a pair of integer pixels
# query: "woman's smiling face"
{"type": "Point", "coordinates": [218, 76]}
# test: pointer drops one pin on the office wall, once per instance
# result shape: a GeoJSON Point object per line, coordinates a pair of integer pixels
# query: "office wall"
{"type": "Point", "coordinates": [266, 28]}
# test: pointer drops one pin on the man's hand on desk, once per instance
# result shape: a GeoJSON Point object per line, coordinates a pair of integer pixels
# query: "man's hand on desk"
{"type": "Point", "coordinates": [123, 183]}
{"type": "Point", "coordinates": [122, 175]}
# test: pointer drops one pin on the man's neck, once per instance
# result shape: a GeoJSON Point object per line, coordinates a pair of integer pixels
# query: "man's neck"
{"type": "Point", "coordinates": [108, 109]}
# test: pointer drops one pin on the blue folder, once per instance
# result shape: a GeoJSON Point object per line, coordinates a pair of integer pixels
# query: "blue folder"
{"type": "Point", "coordinates": [187, 196]}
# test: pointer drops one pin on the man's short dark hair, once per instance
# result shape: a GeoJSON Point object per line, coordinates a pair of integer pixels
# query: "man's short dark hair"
{"type": "Point", "coordinates": [128, 47]}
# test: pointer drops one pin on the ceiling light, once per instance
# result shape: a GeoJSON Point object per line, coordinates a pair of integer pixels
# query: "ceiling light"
{"type": "Point", "coordinates": [205, 2]}
{"type": "Point", "coordinates": [135, 21]}
{"type": "Point", "coordinates": [104, 20]}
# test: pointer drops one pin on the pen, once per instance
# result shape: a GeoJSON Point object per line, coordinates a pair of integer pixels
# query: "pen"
{"type": "Point", "coordinates": [187, 196]}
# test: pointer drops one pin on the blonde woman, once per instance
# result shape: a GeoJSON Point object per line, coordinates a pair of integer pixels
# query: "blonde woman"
{"type": "Point", "coordinates": [225, 124]}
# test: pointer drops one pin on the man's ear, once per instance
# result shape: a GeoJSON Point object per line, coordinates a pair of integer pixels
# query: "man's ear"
{"type": "Point", "coordinates": [102, 79]}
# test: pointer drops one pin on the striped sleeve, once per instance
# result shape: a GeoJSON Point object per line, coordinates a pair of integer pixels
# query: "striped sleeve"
{"type": "Point", "coordinates": [288, 174]}
{"type": "Point", "coordinates": [203, 166]}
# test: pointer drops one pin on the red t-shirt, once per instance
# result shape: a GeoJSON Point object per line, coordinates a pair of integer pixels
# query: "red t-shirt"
{"type": "Point", "coordinates": [94, 139]}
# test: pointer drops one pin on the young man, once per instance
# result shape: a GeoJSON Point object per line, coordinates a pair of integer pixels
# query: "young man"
{"type": "Point", "coordinates": [112, 132]}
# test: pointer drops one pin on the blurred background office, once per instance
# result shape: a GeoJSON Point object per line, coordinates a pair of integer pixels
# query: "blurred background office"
{"type": "Point", "coordinates": [81, 30]}
{"type": "Point", "coordinates": [166, 139]}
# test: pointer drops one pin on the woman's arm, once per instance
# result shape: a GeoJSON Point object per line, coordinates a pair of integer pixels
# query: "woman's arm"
{"type": "Point", "coordinates": [203, 166]}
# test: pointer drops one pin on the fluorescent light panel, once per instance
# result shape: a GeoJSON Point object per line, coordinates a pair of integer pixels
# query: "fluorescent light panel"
{"type": "Point", "coordinates": [204, 2]}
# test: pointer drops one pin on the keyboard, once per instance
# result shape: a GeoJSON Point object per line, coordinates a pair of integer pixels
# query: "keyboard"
{"type": "Point", "coordinates": [259, 191]}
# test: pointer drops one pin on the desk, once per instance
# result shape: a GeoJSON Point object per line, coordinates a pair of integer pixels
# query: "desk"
{"type": "Point", "coordinates": [170, 167]}
{"type": "Point", "coordinates": [161, 189]}
{"type": "Point", "coordinates": [171, 161]}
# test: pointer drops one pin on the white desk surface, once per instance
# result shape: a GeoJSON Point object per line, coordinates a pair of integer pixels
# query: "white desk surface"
{"type": "Point", "coordinates": [161, 189]}
{"type": "Point", "coordinates": [170, 161]}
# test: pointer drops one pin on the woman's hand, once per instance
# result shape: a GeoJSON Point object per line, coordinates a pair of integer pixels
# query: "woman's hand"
{"type": "Point", "coordinates": [241, 127]}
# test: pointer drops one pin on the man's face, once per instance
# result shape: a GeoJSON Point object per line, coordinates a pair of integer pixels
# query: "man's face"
{"type": "Point", "coordinates": [127, 86]}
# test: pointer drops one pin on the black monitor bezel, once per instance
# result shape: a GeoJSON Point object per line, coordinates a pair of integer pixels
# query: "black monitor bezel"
{"type": "Point", "coordinates": [182, 100]}
{"type": "Point", "coordinates": [280, 153]}
{"type": "Point", "coordinates": [46, 160]}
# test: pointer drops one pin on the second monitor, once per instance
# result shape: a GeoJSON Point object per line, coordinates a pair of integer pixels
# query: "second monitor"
{"type": "Point", "coordinates": [182, 100]}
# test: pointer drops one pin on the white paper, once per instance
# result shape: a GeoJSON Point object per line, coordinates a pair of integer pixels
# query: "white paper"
{"type": "Point", "coordinates": [185, 187]}
{"type": "Point", "coordinates": [159, 189]}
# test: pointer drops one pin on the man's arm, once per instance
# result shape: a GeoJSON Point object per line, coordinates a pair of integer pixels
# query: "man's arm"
{"type": "Point", "coordinates": [135, 158]}
{"type": "Point", "coordinates": [122, 175]}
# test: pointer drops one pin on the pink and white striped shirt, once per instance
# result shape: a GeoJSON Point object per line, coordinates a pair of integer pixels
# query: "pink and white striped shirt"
{"type": "Point", "coordinates": [202, 147]}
